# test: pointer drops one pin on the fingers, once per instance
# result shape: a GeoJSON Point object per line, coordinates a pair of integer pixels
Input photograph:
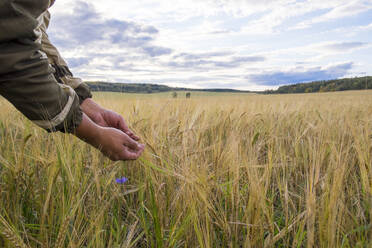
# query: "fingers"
{"type": "Point", "coordinates": [123, 126]}
{"type": "Point", "coordinates": [126, 153]}
{"type": "Point", "coordinates": [133, 136]}
{"type": "Point", "coordinates": [132, 155]}
{"type": "Point", "coordinates": [132, 144]}
{"type": "Point", "coordinates": [117, 145]}
{"type": "Point", "coordinates": [131, 152]}
{"type": "Point", "coordinates": [131, 149]}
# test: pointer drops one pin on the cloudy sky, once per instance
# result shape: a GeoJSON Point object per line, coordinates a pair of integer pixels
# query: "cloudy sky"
{"type": "Point", "coordinates": [240, 44]}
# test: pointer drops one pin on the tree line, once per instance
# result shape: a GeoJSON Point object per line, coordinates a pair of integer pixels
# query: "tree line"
{"type": "Point", "coordinates": [356, 83]}
{"type": "Point", "coordinates": [145, 88]}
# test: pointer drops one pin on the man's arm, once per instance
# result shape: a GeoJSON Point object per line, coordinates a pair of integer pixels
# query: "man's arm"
{"type": "Point", "coordinates": [96, 113]}
{"type": "Point", "coordinates": [27, 81]}
{"type": "Point", "coordinates": [30, 86]}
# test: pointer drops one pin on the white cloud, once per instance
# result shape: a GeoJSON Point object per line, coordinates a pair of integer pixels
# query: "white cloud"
{"type": "Point", "coordinates": [344, 46]}
{"type": "Point", "coordinates": [337, 11]}
{"type": "Point", "coordinates": [209, 43]}
{"type": "Point", "coordinates": [366, 27]}
{"type": "Point", "coordinates": [300, 74]}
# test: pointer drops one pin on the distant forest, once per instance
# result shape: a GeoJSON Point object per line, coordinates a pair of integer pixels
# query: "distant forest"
{"type": "Point", "coordinates": [357, 83]}
{"type": "Point", "coordinates": [145, 88]}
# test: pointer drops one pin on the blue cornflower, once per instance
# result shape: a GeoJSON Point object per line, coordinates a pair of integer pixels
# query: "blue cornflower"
{"type": "Point", "coordinates": [121, 180]}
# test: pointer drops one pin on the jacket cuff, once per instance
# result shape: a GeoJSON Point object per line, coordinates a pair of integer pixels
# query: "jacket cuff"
{"type": "Point", "coordinates": [72, 121]}
{"type": "Point", "coordinates": [83, 92]}
{"type": "Point", "coordinates": [64, 76]}
{"type": "Point", "coordinates": [68, 119]}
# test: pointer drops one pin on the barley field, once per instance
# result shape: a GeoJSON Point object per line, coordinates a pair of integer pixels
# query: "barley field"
{"type": "Point", "coordinates": [219, 170]}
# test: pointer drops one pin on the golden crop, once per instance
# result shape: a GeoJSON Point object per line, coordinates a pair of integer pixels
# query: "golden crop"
{"type": "Point", "coordinates": [219, 170]}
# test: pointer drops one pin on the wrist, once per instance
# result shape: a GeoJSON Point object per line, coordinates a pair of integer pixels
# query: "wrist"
{"type": "Point", "coordinates": [92, 109]}
{"type": "Point", "coordinates": [89, 131]}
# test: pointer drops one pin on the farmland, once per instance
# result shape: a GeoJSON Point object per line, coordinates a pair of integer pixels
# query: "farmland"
{"type": "Point", "coordinates": [219, 170]}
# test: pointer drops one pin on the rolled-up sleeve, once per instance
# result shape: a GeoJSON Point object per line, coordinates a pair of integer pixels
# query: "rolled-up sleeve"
{"type": "Point", "coordinates": [26, 76]}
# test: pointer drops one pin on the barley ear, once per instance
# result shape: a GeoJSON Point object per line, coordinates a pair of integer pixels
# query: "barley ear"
{"type": "Point", "coordinates": [62, 233]}
{"type": "Point", "coordinates": [9, 234]}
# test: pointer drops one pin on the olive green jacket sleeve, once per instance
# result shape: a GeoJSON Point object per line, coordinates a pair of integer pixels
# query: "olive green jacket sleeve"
{"type": "Point", "coordinates": [26, 76]}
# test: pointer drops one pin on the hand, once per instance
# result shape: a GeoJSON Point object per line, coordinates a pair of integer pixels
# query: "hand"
{"type": "Point", "coordinates": [106, 118]}
{"type": "Point", "coordinates": [117, 145]}
{"type": "Point", "coordinates": [112, 142]}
